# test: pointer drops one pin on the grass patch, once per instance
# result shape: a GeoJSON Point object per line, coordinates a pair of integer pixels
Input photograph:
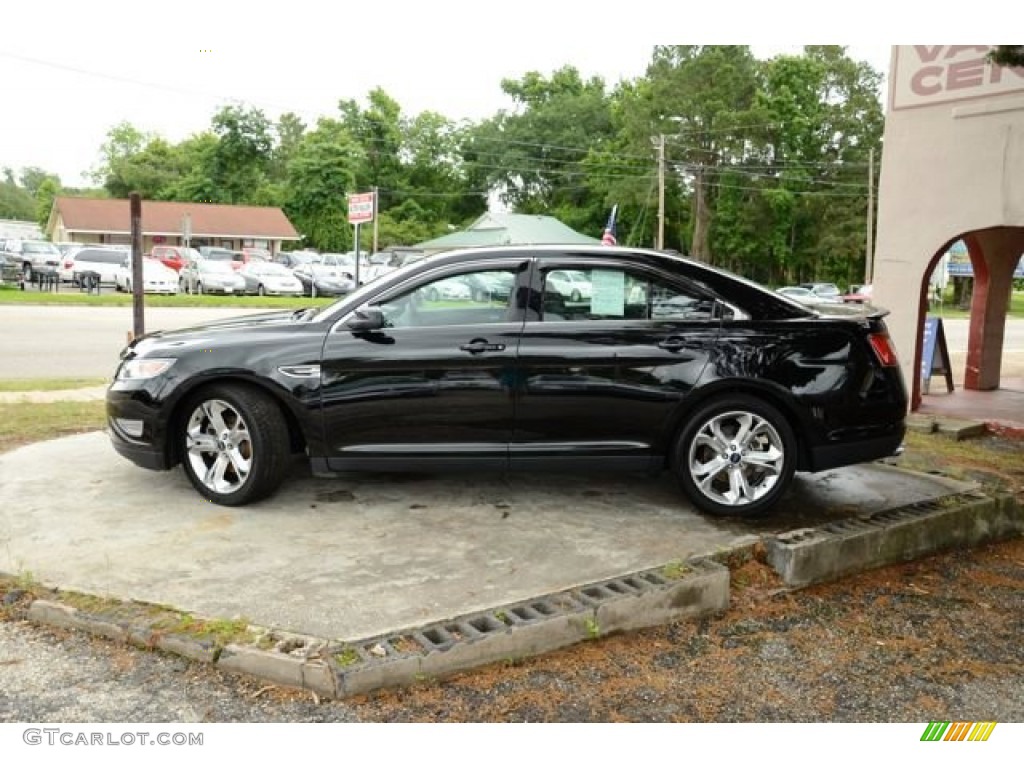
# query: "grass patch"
{"type": "Point", "coordinates": [997, 463]}
{"type": "Point", "coordinates": [347, 657]}
{"type": "Point", "coordinates": [675, 570]}
{"type": "Point", "coordinates": [22, 423]}
{"type": "Point", "coordinates": [72, 297]}
{"type": "Point", "coordinates": [48, 385]}
{"type": "Point", "coordinates": [948, 310]}
{"type": "Point", "coordinates": [220, 631]}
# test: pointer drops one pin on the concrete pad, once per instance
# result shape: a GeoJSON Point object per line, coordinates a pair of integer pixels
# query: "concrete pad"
{"type": "Point", "coordinates": [366, 555]}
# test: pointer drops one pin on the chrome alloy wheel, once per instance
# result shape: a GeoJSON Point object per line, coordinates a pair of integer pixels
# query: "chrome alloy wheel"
{"type": "Point", "coordinates": [736, 458]}
{"type": "Point", "coordinates": [219, 446]}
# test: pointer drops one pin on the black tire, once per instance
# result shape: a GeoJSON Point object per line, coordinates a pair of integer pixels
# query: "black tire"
{"type": "Point", "coordinates": [261, 290]}
{"type": "Point", "coordinates": [251, 429]}
{"type": "Point", "coordinates": [575, 295]}
{"type": "Point", "coordinates": [720, 475]}
{"type": "Point", "coordinates": [26, 272]}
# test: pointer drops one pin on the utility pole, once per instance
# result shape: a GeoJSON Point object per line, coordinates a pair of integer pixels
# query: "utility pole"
{"type": "Point", "coordinates": [376, 192]}
{"type": "Point", "coordinates": [869, 255]}
{"type": "Point", "coordinates": [661, 193]}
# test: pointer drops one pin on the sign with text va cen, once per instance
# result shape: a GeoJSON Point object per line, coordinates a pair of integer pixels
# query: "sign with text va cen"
{"type": "Point", "coordinates": [924, 75]}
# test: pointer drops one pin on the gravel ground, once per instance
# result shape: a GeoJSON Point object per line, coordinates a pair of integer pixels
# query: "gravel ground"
{"type": "Point", "coordinates": [935, 639]}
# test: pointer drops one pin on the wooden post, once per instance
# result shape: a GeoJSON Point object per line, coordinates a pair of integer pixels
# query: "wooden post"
{"type": "Point", "coordinates": [138, 321]}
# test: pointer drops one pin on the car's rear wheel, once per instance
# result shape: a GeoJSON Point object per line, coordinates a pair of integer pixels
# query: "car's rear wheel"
{"type": "Point", "coordinates": [234, 444]}
{"type": "Point", "coordinates": [735, 457]}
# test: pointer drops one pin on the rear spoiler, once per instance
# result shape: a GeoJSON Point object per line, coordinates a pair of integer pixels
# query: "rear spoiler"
{"type": "Point", "coordinates": [852, 311]}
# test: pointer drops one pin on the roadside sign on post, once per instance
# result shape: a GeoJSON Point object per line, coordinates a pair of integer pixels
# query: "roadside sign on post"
{"type": "Point", "coordinates": [360, 208]}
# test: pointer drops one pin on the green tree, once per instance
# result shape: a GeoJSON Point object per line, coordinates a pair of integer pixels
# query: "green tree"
{"type": "Point", "coordinates": [536, 156]}
{"type": "Point", "coordinates": [699, 97]}
{"type": "Point", "coordinates": [320, 175]}
{"type": "Point", "coordinates": [289, 130]}
{"type": "Point", "coordinates": [1008, 55]}
{"type": "Point", "coordinates": [33, 178]}
{"type": "Point", "coordinates": [15, 202]}
{"type": "Point", "coordinates": [379, 131]}
{"type": "Point", "coordinates": [123, 142]}
{"type": "Point", "coordinates": [240, 161]}
{"type": "Point", "coordinates": [45, 194]}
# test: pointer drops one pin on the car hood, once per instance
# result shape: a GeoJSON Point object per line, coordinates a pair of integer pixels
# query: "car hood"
{"type": "Point", "coordinates": [207, 332]}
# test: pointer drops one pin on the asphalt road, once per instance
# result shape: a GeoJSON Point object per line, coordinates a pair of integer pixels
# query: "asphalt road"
{"type": "Point", "coordinates": [61, 341]}
{"type": "Point", "coordinates": [57, 341]}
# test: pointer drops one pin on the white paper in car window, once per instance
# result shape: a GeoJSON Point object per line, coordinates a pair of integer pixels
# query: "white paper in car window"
{"type": "Point", "coordinates": [609, 292]}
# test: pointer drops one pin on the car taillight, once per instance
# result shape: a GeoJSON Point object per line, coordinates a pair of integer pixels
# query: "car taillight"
{"type": "Point", "coordinates": [68, 264]}
{"type": "Point", "coordinates": [882, 345]}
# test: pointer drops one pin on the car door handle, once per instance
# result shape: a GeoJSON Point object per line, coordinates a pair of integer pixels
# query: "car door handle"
{"type": "Point", "coordinates": [476, 346]}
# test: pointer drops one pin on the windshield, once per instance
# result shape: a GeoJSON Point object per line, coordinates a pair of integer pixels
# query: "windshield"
{"type": "Point", "coordinates": [260, 268]}
{"type": "Point", "coordinates": [101, 257]}
{"type": "Point", "coordinates": [40, 248]}
{"type": "Point", "coordinates": [220, 255]}
{"type": "Point", "coordinates": [215, 266]}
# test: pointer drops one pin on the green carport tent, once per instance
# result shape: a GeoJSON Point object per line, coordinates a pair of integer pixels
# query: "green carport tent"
{"type": "Point", "coordinates": [509, 229]}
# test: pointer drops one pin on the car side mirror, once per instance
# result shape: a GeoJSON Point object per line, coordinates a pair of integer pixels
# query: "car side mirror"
{"type": "Point", "coordinates": [366, 319]}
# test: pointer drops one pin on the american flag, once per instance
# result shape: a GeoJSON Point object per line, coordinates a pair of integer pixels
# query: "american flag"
{"type": "Point", "coordinates": [608, 238]}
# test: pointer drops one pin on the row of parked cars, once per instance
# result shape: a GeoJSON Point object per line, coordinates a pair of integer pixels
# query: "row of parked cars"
{"type": "Point", "coordinates": [173, 269]}
{"type": "Point", "coordinates": [826, 293]}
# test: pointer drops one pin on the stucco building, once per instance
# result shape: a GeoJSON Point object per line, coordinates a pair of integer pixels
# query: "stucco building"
{"type": "Point", "coordinates": [952, 169]}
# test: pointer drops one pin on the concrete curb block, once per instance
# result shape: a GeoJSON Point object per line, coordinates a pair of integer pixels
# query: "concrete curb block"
{"type": "Point", "coordinates": [811, 555]}
{"type": "Point", "coordinates": [532, 627]}
{"type": "Point", "coordinates": [679, 590]}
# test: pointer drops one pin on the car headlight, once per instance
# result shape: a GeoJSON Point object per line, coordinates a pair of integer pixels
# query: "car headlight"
{"type": "Point", "coordinates": [143, 368]}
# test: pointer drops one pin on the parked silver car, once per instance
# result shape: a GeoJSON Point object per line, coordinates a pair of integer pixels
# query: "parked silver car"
{"type": "Point", "coordinates": [208, 276]}
{"type": "Point", "coordinates": [266, 278]}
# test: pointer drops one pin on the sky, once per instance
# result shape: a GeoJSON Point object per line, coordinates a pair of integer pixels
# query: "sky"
{"type": "Point", "coordinates": [69, 71]}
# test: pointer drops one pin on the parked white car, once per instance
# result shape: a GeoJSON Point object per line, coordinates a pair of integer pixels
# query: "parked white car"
{"type": "Point", "coordinates": [156, 277]}
{"type": "Point", "coordinates": [97, 260]}
{"type": "Point", "coordinates": [571, 284]}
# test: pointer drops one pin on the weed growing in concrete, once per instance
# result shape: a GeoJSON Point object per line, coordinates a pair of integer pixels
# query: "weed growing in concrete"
{"type": "Point", "coordinates": [346, 657]}
{"type": "Point", "coordinates": [675, 570]}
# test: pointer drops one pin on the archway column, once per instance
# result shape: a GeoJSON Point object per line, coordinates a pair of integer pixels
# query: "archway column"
{"type": "Point", "coordinates": [994, 255]}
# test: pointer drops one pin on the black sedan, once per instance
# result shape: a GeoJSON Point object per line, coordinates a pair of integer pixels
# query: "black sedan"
{"type": "Point", "coordinates": [668, 364]}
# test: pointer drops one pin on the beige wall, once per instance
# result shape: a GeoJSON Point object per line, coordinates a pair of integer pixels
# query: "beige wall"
{"type": "Point", "coordinates": [953, 162]}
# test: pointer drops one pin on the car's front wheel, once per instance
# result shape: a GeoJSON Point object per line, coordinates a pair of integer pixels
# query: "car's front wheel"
{"type": "Point", "coordinates": [735, 457]}
{"type": "Point", "coordinates": [234, 444]}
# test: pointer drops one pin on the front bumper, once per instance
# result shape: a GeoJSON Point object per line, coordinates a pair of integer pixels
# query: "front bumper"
{"type": "Point", "coordinates": [135, 430]}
